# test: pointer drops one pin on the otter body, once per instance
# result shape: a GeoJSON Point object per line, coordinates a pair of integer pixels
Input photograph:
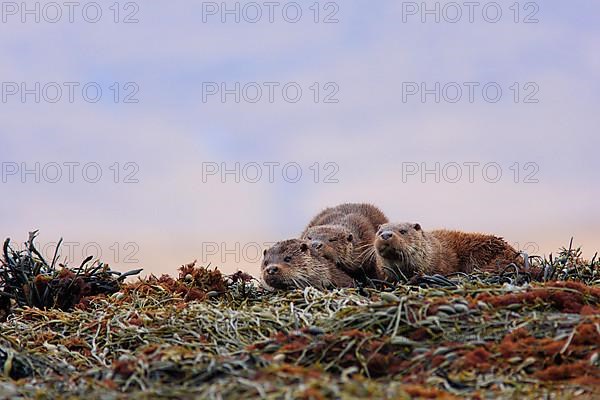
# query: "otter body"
{"type": "Point", "coordinates": [344, 234]}
{"type": "Point", "coordinates": [295, 264]}
{"type": "Point", "coordinates": [404, 251]}
{"type": "Point", "coordinates": [331, 214]}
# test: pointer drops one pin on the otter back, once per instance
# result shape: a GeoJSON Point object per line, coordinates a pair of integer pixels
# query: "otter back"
{"type": "Point", "coordinates": [332, 214]}
{"type": "Point", "coordinates": [477, 250]}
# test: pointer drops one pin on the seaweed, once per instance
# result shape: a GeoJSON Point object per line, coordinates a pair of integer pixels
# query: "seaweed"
{"type": "Point", "coordinates": [28, 279]}
{"type": "Point", "coordinates": [204, 334]}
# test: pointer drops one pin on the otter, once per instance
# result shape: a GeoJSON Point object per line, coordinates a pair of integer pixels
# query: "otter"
{"type": "Point", "coordinates": [344, 234]}
{"type": "Point", "coordinates": [331, 214]}
{"type": "Point", "coordinates": [405, 251]}
{"type": "Point", "coordinates": [294, 263]}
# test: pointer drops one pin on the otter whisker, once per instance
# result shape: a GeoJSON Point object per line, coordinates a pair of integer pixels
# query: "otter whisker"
{"type": "Point", "coordinates": [368, 250]}
{"type": "Point", "coordinates": [346, 261]}
{"type": "Point", "coordinates": [365, 246]}
{"type": "Point", "coordinates": [369, 254]}
{"type": "Point", "coordinates": [302, 282]}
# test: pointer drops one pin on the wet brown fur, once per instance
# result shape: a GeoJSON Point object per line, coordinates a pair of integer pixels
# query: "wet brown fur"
{"type": "Point", "coordinates": [410, 252]}
{"type": "Point", "coordinates": [345, 234]}
{"type": "Point", "coordinates": [299, 265]}
{"type": "Point", "coordinates": [331, 214]}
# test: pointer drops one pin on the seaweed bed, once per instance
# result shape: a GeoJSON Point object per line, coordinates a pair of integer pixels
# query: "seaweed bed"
{"type": "Point", "coordinates": [86, 332]}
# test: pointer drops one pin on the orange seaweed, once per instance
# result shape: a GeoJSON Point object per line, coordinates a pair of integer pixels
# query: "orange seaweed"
{"type": "Point", "coordinates": [477, 358]}
{"type": "Point", "coordinates": [312, 393]}
{"type": "Point", "coordinates": [568, 371]}
{"type": "Point", "coordinates": [553, 294]}
{"type": "Point", "coordinates": [427, 392]}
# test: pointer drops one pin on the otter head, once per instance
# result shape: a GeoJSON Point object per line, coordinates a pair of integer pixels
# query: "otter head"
{"type": "Point", "coordinates": [295, 264]}
{"type": "Point", "coordinates": [401, 249]}
{"type": "Point", "coordinates": [334, 242]}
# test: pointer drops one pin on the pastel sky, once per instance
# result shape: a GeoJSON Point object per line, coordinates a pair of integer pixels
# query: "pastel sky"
{"type": "Point", "coordinates": [364, 132]}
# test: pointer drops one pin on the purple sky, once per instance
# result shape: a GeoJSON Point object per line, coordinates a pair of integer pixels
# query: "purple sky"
{"type": "Point", "coordinates": [368, 137]}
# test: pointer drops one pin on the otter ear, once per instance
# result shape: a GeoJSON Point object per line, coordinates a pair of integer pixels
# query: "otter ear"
{"type": "Point", "coordinates": [350, 237]}
{"type": "Point", "coordinates": [264, 252]}
{"type": "Point", "coordinates": [417, 227]}
{"type": "Point", "coordinates": [303, 247]}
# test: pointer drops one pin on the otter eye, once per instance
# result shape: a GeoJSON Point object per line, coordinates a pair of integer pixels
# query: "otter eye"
{"type": "Point", "coordinates": [403, 231]}
{"type": "Point", "coordinates": [287, 259]}
{"type": "Point", "coordinates": [309, 238]}
{"type": "Point", "coordinates": [333, 240]}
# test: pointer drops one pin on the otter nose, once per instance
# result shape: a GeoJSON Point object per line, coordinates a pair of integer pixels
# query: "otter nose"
{"type": "Point", "coordinates": [317, 244]}
{"type": "Point", "coordinates": [386, 235]}
{"type": "Point", "coordinates": [272, 270]}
